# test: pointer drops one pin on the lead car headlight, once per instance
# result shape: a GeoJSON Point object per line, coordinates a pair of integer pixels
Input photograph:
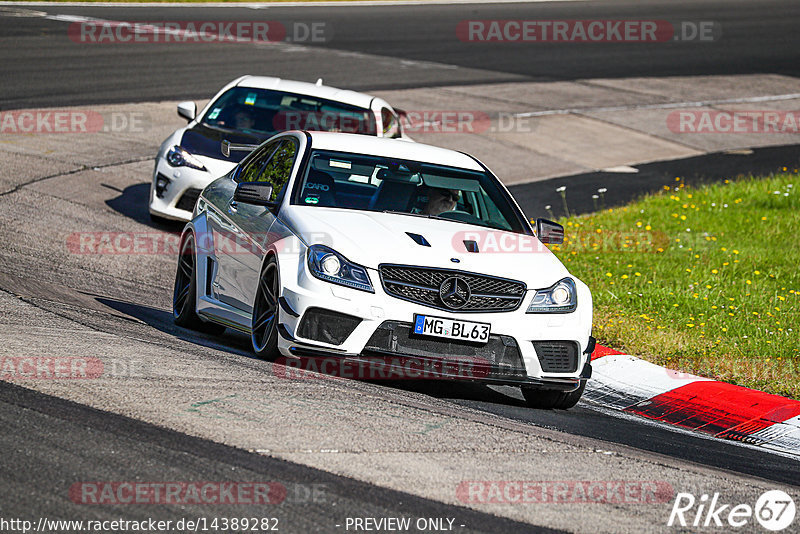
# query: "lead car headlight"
{"type": "Point", "coordinates": [561, 297]}
{"type": "Point", "coordinates": [179, 157]}
{"type": "Point", "coordinates": [327, 264]}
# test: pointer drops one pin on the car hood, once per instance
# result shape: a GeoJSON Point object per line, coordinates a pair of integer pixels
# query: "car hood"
{"type": "Point", "coordinates": [373, 238]}
{"type": "Point", "coordinates": [203, 140]}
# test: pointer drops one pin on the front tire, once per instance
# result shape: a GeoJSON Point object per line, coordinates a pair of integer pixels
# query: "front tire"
{"type": "Point", "coordinates": [184, 295]}
{"type": "Point", "coordinates": [265, 312]}
{"type": "Point", "coordinates": [548, 399]}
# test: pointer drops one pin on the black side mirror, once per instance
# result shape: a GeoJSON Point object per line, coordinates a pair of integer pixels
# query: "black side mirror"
{"type": "Point", "coordinates": [549, 232]}
{"type": "Point", "coordinates": [256, 193]}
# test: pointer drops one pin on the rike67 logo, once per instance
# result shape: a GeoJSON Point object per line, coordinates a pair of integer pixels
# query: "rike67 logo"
{"type": "Point", "coordinates": [774, 510]}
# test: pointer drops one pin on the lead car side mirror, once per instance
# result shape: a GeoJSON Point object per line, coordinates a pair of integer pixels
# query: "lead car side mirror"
{"type": "Point", "coordinates": [549, 232]}
{"type": "Point", "coordinates": [187, 110]}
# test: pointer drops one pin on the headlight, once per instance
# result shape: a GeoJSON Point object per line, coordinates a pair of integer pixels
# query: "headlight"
{"type": "Point", "coordinates": [179, 157]}
{"type": "Point", "coordinates": [561, 297]}
{"type": "Point", "coordinates": [327, 264]}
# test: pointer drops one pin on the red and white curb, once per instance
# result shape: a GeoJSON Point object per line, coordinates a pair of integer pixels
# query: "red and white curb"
{"type": "Point", "coordinates": [713, 408]}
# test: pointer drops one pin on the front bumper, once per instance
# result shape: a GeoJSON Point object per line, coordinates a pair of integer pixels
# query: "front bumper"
{"type": "Point", "coordinates": [176, 201]}
{"type": "Point", "coordinates": [377, 327]}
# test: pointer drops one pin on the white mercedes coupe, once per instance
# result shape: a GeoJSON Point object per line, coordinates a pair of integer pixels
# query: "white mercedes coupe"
{"type": "Point", "coordinates": [362, 249]}
{"type": "Point", "coordinates": [246, 112]}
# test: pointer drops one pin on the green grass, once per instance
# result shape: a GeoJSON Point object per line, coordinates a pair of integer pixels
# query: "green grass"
{"type": "Point", "coordinates": [704, 281]}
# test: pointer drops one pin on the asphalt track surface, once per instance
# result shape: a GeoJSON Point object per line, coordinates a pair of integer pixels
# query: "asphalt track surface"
{"type": "Point", "coordinates": [65, 442]}
{"type": "Point", "coordinates": [42, 67]}
{"type": "Point", "coordinates": [50, 442]}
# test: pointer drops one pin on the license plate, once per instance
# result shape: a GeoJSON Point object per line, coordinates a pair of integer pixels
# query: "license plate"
{"type": "Point", "coordinates": [426, 325]}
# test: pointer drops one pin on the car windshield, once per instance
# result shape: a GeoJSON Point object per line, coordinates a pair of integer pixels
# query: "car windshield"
{"type": "Point", "coordinates": [376, 183]}
{"type": "Point", "coordinates": [260, 111]}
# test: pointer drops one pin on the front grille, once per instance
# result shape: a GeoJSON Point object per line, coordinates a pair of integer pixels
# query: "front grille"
{"type": "Point", "coordinates": [327, 326]}
{"type": "Point", "coordinates": [188, 199]}
{"type": "Point", "coordinates": [422, 285]}
{"type": "Point", "coordinates": [498, 358]}
{"type": "Point", "coordinates": [557, 356]}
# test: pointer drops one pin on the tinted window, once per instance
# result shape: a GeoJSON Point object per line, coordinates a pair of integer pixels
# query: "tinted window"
{"type": "Point", "coordinates": [375, 183]}
{"type": "Point", "coordinates": [264, 111]}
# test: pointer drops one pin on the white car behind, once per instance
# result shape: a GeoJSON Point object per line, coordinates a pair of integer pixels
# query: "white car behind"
{"type": "Point", "coordinates": [246, 112]}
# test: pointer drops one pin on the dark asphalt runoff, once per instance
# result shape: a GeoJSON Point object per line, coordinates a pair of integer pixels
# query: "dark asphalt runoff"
{"type": "Point", "coordinates": [52, 446]}
{"type": "Point", "coordinates": [42, 67]}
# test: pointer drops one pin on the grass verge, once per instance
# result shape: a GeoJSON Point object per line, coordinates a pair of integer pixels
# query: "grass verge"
{"type": "Point", "coordinates": [704, 281]}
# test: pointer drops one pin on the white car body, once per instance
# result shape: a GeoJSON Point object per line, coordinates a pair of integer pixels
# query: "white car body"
{"type": "Point", "coordinates": [176, 200]}
{"type": "Point", "coordinates": [227, 276]}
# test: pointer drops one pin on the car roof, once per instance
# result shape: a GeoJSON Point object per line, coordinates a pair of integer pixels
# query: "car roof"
{"type": "Point", "coordinates": [392, 148]}
{"type": "Point", "coordinates": [310, 89]}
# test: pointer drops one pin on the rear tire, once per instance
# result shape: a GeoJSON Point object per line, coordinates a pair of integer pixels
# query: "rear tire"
{"type": "Point", "coordinates": [549, 399]}
{"type": "Point", "coordinates": [264, 324]}
{"type": "Point", "coordinates": [184, 295]}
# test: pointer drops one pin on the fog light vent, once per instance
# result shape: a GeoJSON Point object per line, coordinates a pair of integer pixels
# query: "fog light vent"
{"type": "Point", "coordinates": [327, 326]}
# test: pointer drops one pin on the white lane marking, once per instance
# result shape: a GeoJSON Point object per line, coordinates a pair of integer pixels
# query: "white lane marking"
{"type": "Point", "coordinates": [267, 4]}
{"type": "Point", "coordinates": [277, 45]}
{"type": "Point", "coordinates": [665, 105]}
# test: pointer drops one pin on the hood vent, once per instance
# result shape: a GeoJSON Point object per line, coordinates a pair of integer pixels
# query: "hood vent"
{"type": "Point", "coordinates": [418, 239]}
{"type": "Point", "coordinates": [472, 246]}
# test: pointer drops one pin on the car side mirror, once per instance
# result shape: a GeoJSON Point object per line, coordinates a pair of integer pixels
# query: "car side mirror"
{"type": "Point", "coordinates": [255, 193]}
{"type": "Point", "coordinates": [187, 110]}
{"type": "Point", "coordinates": [549, 232]}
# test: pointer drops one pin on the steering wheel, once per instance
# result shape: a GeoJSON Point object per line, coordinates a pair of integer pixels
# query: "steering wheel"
{"type": "Point", "coordinates": [461, 216]}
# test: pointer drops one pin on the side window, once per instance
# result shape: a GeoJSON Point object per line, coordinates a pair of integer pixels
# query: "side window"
{"type": "Point", "coordinates": [253, 168]}
{"type": "Point", "coordinates": [391, 125]}
{"type": "Point", "coordinates": [279, 168]}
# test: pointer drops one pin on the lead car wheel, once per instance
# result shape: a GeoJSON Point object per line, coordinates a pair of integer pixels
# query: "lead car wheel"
{"type": "Point", "coordinates": [560, 400]}
{"type": "Point", "coordinates": [265, 312]}
{"type": "Point", "coordinates": [185, 292]}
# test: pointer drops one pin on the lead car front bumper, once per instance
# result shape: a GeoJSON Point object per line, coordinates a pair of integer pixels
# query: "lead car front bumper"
{"type": "Point", "coordinates": [319, 320]}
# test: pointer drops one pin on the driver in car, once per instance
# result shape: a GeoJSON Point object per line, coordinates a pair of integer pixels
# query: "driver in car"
{"type": "Point", "coordinates": [441, 200]}
{"type": "Point", "coordinates": [244, 120]}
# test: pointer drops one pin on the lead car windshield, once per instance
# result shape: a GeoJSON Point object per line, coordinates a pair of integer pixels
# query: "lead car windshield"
{"type": "Point", "coordinates": [375, 183]}
{"type": "Point", "coordinates": [264, 111]}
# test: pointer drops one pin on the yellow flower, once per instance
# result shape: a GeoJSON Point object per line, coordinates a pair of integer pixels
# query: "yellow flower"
{"type": "Point", "coordinates": [748, 282]}
{"type": "Point", "coordinates": [624, 276]}
{"type": "Point", "coordinates": [609, 275]}
{"type": "Point", "coordinates": [756, 272]}
{"type": "Point", "coordinates": [640, 274]}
